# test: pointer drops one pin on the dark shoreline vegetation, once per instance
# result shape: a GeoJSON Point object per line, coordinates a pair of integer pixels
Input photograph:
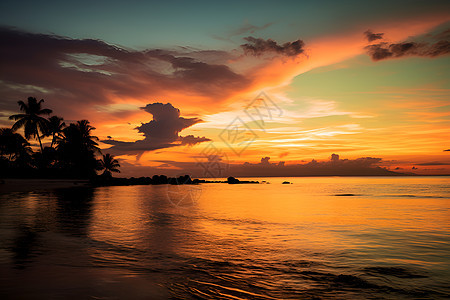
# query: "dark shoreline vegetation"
{"type": "Point", "coordinates": [161, 179]}
{"type": "Point", "coordinates": [73, 152]}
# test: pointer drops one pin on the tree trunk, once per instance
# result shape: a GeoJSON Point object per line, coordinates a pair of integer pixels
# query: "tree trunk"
{"type": "Point", "coordinates": [53, 140]}
{"type": "Point", "coordinates": [39, 139]}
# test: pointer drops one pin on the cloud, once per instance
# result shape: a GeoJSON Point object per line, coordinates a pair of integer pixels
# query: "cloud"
{"type": "Point", "coordinates": [333, 167]}
{"type": "Point", "coordinates": [192, 140]}
{"type": "Point", "coordinates": [161, 132]}
{"type": "Point", "coordinates": [283, 154]}
{"type": "Point", "coordinates": [71, 73]}
{"type": "Point", "coordinates": [444, 35]}
{"type": "Point", "coordinates": [434, 163]}
{"type": "Point", "coordinates": [446, 150]}
{"type": "Point", "coordinates": [364, 166]}
{"type": "Point", "coordinates": [249, 28]}
{"type": "Point", "coordinates": [373, 36]}
{"type": "Point", "coordinates": [259, 46]}
{"type": "Point", "coordinates": [244, 29]}
{"type": "Point", "coordinates": [386, 50]}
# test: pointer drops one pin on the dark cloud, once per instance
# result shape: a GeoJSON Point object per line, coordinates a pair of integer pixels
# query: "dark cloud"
{"type": "Point", "coordinates": [444, 35]}
{"type": "Point", "coordinates": [434, 163]}
{"type": "Point", "coordinates": [72, 73]}
{"type": "Point", "coordinates": [161, 132]}
{"type": "Point", "coordinates": [386, 50]}
{"type": "Point", "coordinates": [333, 167]}
{"type": "Point", "coordinates": [365, 166]}
{"type": "Point", "coordinates": [192, 140]}
{"type": "Point", "coordinates": [446, 150]}
{"type": "Point", "coordinates": [373, 36]}
{"type": "Point", "coordinates": [259, 46]}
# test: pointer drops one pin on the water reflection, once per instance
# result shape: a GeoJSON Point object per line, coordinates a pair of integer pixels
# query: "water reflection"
{"type": "Point", "coordinates": [29, 217]}
{"type": "Point", "coordinates": [25, 246]}
{"type": "Point", "coordinates": [237, 242]}
{"type": "Point", "coordinates": [73, 210]}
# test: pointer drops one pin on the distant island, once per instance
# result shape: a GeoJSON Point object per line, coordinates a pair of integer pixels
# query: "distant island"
{"type": "Point", "coordinates": [162, 179]}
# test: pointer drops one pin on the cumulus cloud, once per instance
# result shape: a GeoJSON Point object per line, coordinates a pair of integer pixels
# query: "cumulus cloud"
{"type": "Point", "coordinates": [335, 166]}
{"type": "Point", "coordinates": [385, 50]}
{"type": "Point", "coordinates": [259, 46]}
{"type": "Point", "coordinates": [161, 132]}
{"type": "Point", "coordinates": [373, 36]}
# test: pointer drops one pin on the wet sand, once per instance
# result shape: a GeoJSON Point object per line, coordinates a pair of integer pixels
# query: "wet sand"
{"type": "Point", "coordinates": [28, 185]}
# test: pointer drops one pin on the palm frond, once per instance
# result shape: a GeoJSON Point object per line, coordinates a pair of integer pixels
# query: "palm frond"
{"type": "Point", "coordinates": [44, 111]}
{"type": "Point", "coordinates": [22, 122]}
{"type": "Point", "coordinates": [23, 106]}
{"type": "Point", "coordinates": [17, 116]}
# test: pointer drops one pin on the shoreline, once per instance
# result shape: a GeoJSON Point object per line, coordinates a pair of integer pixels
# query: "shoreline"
{"type": "Point", "coordinates": [8, 185]}
{"type": "Point", "coordinates": [11, 185]}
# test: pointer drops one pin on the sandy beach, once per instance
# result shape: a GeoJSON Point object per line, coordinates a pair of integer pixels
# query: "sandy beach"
{"type": "Point", "coordinates": [28, 185]}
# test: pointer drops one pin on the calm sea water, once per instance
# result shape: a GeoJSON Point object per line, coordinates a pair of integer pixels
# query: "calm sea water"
{"type": "Point", "coordinates": [329, 237]}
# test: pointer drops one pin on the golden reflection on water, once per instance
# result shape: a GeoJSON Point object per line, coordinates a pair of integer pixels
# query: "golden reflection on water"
{"type": "Point", "coordinates": [306, 214]}
{"type": "Point", "coordinates": [236, 240]}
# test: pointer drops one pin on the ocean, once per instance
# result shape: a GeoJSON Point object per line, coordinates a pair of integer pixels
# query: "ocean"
{"type": "Point", "coordinates": [316, 238]}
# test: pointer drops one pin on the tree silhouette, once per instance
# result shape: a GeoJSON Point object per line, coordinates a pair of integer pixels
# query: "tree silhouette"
{"type": "Point", "coordinates": [31, 119]}
{"type": "Point", "coordinates": [13, 144]}
{"type": "Point", "coordinates": [109, 164]}
{"type": "Point", "coordinates": [88, 141]}
{"type": "Point", "coordinates": [15, 151]}
{"type": "Point", "coordinates": [77, 149]}
{"type": "Point", "coordinates": [72, 152]}
{"type": "Point", "coordinates": [55, 128]}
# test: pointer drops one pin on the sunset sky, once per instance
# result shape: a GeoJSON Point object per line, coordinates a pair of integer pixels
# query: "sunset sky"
{"type": "Point", "coordinates": [172, 86]}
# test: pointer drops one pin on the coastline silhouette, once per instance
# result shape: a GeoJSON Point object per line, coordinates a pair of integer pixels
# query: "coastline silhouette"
{"type": "Point", "coordinates": [73, 153]}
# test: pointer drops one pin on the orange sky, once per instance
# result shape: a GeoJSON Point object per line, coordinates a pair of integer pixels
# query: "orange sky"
{"type": "Point", "coordinates": [330, 97]}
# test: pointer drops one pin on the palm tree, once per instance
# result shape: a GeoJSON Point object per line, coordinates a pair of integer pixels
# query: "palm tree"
{"type": "Point", "coordinates": [13, 145]}
{"type": "Point", "coordinates": [31, 119]}
{"type": "Point", "coordinates": [88, 141]}
{"type": "Point", "coordinates": [55, 128]}
{"type": "Point", "coordinates": [77, 148]}
{"type": "Point", "coordinates": [77, 138]}
{"type": "Point", "coordinates": [109, 164]}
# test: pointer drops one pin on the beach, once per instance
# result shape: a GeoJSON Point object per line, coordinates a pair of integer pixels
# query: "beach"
{"type": "Point", "coordinates": [29, 185]}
